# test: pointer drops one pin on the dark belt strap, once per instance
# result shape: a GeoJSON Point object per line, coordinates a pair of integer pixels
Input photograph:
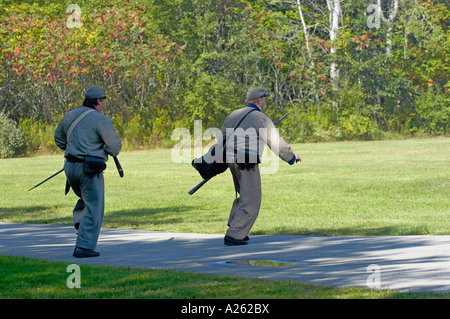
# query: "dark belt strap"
{"type": "Point", "coordinates": [72, 159]}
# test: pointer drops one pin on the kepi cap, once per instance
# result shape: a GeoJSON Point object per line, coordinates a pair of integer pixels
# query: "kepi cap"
{"type": "Point", "coordinates": [256, 93]}
{"type": "Point", "coordinates": [95, 92]}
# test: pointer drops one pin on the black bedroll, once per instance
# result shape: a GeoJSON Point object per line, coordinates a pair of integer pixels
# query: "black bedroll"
{"type": "Point", "coordinates": [208, 169]}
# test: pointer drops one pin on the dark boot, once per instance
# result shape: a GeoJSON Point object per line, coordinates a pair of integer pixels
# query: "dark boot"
{"type": "Point", "coordinates": [80, 252]}
{"type": "Point", "coordinates": [230, 241]}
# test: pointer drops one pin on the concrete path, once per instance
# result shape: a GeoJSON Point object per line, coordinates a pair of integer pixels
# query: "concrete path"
{"type": "Point", "coordinates": [404, 263]}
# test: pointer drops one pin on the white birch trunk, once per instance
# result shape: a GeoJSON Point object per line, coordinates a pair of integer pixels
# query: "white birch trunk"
{"type": "Point", "coordinates": [305, 30]}
{"type": "Point", "coordinates": [334, 9]}
{"type": "Point", "coordinates": [389, 21]}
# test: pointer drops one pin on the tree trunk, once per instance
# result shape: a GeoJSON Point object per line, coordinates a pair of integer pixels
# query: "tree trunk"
{"type": "Point", "coordinates": [305, 30]}
{"type": "Point", "coordinates": [392, 15]}
{"type": "Point", "coordinates": [334, 9]}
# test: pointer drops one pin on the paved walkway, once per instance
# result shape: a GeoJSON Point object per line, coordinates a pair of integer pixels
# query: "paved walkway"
{"type": "Point", "coordinates": [405, 263]}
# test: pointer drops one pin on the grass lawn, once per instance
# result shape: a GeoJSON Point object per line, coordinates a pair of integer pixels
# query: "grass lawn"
{"type": "Point", "coordinates": [353, 188]}
{"type": "Point", "coordinates": [398, 187]}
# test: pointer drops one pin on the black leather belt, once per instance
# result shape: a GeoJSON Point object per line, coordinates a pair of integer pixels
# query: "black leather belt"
{"type": "Point", "coordinates": [71, 159]}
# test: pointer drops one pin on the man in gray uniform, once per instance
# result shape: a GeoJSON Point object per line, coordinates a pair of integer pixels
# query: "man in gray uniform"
{"type": "Point", "coordinates": [87, 137]}
{"type": "Point", "coordinates": [248, 139]}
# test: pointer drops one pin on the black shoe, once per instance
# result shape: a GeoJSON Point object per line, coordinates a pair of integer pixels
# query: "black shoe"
{"type": "Point", "coordinates": [76, 225]}
{"type": "Point", "coordinates": [230, 241]}
{"type": "Point", "coordinates": [246, 238]}
{"type": "Point", "coordinates": [83, 252]}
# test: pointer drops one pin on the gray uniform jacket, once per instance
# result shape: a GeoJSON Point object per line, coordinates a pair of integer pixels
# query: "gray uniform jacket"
{"type": "Point", "coordinates": [253, 133]}
{"type": "Point", "coordinates": [94, 135]}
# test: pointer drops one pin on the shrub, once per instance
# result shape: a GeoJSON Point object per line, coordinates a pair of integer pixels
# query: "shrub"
{"type": "Point", "coordinates": [11, 138]}
{"type": "Point", "coordinates": [434, 112]}
{"type": "Point", "coordinates": [305, 124]}
{"type": "Point", "coordinates": [359, 127]}
{"type": "Point", "coordinates": [38, 136]}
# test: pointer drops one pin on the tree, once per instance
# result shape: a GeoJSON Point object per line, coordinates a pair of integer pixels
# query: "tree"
{"type": "Point", "coordinates": [334, 9]}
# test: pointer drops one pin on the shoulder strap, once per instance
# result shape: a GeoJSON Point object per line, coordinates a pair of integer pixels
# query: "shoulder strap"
{"type": "Point", "coordinates": [239, 123]}
{"type": "Point", "coordinates": [77, 120]}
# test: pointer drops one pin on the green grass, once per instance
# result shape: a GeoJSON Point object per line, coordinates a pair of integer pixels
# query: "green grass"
{"type": "Point", "coordinates": [352, 188]}
{"type": "Point", "coordinates": [32, 278]}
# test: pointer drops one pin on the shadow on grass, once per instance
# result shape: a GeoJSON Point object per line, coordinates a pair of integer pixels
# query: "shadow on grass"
{"type": "Point", "coordinates": [35, 215]}
{"type": "Point", "coordinates": [135, 218]}
{"type": "Point", "coordinates": [11, 211]}
{"type": "Point", "coordinates": [140, 218]}
{"type": "Point", "coordinates": [159, 216]}
{"type": "Point", "coordinates": [394, 230]}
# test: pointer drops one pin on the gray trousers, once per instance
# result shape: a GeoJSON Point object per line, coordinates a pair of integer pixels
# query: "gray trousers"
{"type": "Point", "coordinates": [245, 209]}
{"type": "Point", "coordinates": [90, 208]}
